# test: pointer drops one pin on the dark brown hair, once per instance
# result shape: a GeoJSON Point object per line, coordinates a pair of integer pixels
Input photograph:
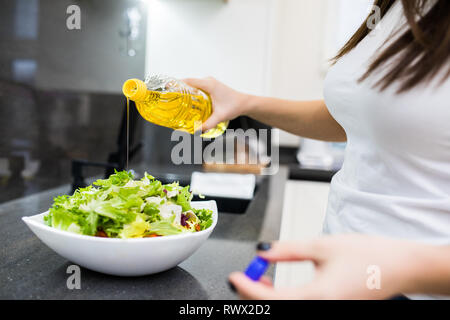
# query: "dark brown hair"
{"type": "Point", "coordinates": [422, 50]}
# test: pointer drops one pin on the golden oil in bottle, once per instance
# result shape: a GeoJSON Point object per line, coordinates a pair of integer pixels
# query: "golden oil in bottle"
{"type": "Point", "coordinates": [171, 103]}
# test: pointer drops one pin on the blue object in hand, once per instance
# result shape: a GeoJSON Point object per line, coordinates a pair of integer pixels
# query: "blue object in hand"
{"type": "Point", "coordinates": [256, 268]}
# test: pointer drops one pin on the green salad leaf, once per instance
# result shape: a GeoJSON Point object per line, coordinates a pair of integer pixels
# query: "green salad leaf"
{"type": "Point", "coordinates": [205, 217]}
{"type": "Point", "coordinates": [121, 207]}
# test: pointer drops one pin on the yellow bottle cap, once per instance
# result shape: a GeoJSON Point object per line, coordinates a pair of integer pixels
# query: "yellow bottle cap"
{"type": "Point", "coordinates": [135, 89]}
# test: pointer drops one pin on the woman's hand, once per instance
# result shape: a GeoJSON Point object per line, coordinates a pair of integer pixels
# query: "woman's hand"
{"type": "Point", "coordinates": [227, 103]}
{"type": "Point", "coordinates": [347, 267]}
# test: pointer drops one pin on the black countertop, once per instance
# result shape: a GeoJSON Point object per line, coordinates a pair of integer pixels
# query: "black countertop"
{"type": "Point", "coordinates": [30, 270]}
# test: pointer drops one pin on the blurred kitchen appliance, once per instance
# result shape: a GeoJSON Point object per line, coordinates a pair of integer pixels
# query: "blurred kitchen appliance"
{"type": "Point", "coordinates": [250, 154]}
{"type": "Point", "coordinates": [321, 155]}
{"type": "Point", "coordinates": [117, 159]}
{"type": "Point", "coordinates": [108, 48]}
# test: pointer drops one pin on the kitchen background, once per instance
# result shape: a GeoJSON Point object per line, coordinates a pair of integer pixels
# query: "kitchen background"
{"type": "Point", "coordinates": [60, 89]}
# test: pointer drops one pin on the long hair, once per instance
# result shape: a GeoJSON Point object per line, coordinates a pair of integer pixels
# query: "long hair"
{"type": "Point", "coordinates": [422, 50]}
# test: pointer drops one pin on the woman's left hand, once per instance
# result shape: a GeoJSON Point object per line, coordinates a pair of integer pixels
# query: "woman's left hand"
{"type": "Point", "coordinates": [347, 267]}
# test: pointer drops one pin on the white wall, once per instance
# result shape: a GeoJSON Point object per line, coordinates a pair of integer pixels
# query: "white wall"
{"type": "Point", "coordinates": [343, 18]}
{"type": "Point", "coordinates": [297, 49]}
{"type": "Point", "coordinates": [197, 38]}
{"type": "Point", "coordinates": [297, 53]}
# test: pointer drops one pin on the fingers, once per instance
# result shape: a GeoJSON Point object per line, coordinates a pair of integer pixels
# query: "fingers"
{"type": "Point", "coordinates": [205, 84]}
{"type": "Point", "coordinates": [261, 290]}
{"type": "Point", "coordinates": [249, 289]}
{"type": "Point", "coordinates": [210, 123]}
{"type": "Point", "coordinates": [266, 280]}
{"type": "Point", "coordinates": [294, 251]}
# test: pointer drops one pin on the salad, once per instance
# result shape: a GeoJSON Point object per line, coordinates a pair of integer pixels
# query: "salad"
{"type": "Point", "coordinates": [121, 207]}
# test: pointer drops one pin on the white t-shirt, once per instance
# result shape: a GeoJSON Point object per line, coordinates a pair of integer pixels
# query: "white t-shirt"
{"type": "Point", "coordinates": [395, 180]}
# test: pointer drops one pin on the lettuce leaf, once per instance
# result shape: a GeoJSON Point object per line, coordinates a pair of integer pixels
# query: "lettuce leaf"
{"type": "Point", "coordinates": [166, 227]}
{"type": "Point", "coordinates": [184, 198]}
{"type": "Point", "coordinates": [205, 217]}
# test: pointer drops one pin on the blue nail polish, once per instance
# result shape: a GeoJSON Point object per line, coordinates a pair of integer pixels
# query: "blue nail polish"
{"type": "Point", "coordinates": [256, 268]}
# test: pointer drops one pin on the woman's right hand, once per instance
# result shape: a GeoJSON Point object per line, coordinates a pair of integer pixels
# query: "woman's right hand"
{"type": "Point", "coordinates": [227, 102]}
{"type": "Point", "coordinates": [309, 119]}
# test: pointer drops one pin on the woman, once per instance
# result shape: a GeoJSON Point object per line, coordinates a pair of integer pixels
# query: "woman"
{"type": "Point", "coordinates": [388, 95]}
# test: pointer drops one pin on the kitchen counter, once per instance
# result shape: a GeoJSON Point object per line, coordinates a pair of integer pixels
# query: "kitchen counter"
{"type": "Point", "coordinates": [30, 270]}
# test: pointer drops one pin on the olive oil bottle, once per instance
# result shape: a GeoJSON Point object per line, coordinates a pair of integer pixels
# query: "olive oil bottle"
{"type": "Point", "coordinates": [171, 103]}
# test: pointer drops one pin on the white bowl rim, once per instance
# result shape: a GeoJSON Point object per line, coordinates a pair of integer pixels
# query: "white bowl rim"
{"type": "Point", "coordinates": [30, 220]}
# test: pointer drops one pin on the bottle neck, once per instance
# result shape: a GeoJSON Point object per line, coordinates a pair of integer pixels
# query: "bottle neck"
{"type": "Point", "coordinates": [135, 89]}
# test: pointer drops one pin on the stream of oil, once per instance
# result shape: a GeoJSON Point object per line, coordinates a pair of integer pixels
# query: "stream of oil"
{"type": "Point", "coordinates": [128, 132]}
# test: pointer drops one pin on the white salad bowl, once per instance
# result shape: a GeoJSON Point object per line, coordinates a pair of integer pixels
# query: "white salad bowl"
{"type": "Point", "coordinates": [123, 257]}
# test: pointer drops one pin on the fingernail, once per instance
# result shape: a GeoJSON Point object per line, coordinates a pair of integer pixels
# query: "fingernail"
{"type": "Point", "coordinates": [232, 287]}
{"type": "Point", "coordinates": [263, 246]}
